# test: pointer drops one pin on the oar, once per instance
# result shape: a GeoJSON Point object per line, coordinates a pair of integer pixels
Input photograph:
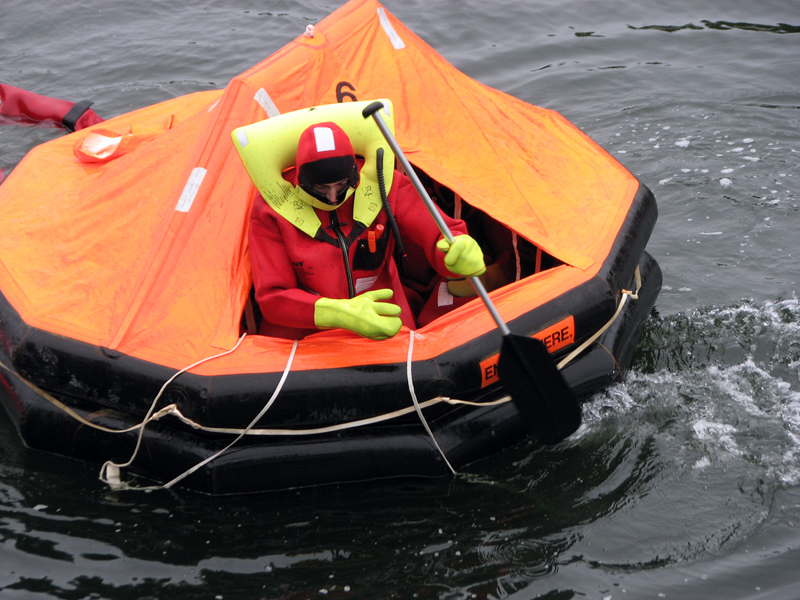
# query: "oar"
{"type": "Point", "coordinates": [525, 367]}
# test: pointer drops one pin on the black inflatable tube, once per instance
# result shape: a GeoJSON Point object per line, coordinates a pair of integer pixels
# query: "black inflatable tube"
{"type": "Point", "coordinates": [267, 464]}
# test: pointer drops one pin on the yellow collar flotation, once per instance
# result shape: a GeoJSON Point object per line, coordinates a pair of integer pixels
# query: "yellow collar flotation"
{"type": "Point", "coordinates": [269, 147]}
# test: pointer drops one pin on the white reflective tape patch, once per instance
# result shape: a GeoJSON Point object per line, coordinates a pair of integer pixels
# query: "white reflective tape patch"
{"type": "Point", "coordinates": [387, 27]}
{"type": "Point", "coordinates": [241, 135]}
{"type": "Point", "coordinates": [444, 298]}
{"type": "Point", "coordinates": [190, 189]}
{"type": "Point", "coordinates": [365, 283]}
{"type": "Point", "coordinates": [324, 139]}
{"type": "Point", "coordinates": [100, 145]}
{"type": "Point", "coordinates": [263, 99]}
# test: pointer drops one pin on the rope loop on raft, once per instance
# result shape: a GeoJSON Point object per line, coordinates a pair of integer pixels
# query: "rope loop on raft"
{"type": "Point", "coordinates": [626, 294]}
{"type": "Point", "coordinates": [109, 473]}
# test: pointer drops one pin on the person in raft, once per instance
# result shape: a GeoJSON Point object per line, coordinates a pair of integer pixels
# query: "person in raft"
{"type": "Point", "coordinates": [346, 276]}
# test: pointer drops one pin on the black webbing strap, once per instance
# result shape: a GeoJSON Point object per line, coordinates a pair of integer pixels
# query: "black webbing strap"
{"type": "Point", "coordinates": [70, 119]}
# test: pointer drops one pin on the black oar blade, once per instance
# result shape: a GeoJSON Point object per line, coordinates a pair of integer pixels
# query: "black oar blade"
{"type": "Point", "coordinates": [537, 388]}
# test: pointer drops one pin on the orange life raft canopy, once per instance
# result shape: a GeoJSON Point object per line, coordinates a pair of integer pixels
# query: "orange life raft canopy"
{"type": "Point", "coordinates": [124, 254]}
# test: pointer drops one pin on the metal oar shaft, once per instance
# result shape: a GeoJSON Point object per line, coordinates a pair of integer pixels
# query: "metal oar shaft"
{"type": "Point", "coordinates": [539, 391]}
{"type": "Point", "coordinates": [373, 109]}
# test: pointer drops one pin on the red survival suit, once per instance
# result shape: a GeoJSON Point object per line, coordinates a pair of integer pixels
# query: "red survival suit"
{"type": "Point", "coordinates": [291, 270]}
{"type": "Point", "coordinates": [27, 108]}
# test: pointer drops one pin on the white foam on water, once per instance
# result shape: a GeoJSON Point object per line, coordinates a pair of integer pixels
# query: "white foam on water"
{"type": "Point", "coordinates": [702, 464]}
{"type": "Point", "coordinates": [746, 413]}
{"type": "Point", "coordinates": [720, 434]}
{"type": "Point", "coordinates": [744, 416]}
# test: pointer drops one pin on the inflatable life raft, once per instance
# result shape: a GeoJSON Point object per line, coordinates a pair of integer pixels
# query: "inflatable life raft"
{"type": "Point", "coordinates": [126, 336]}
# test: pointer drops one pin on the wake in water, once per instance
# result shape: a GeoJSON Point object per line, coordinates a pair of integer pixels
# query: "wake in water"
{"type": "Point", "coordinates": [701, 437]}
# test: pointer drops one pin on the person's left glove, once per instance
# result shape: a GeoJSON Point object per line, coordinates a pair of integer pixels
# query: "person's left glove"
{"type": "Point", "coordinates": [463, 257]}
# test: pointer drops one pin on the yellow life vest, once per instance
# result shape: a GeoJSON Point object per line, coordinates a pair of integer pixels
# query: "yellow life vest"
{"type": "Point", "coordinates": [269, 147]}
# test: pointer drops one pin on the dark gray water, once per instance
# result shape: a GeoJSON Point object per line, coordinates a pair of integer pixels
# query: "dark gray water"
{"type": "Point", "coordinates": [684, 482]}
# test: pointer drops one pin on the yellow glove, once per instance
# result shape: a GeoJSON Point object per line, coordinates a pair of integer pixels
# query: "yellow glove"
{"type": "Point", "coordinates": [491, 279]}
{"type": "Point", "coordinates": [363, 314]}
{"type": "Point", "coordinates": [464, 257]}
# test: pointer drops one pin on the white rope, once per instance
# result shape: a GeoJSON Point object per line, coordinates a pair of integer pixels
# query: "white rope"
{"type": "Point", "coordinates": [250, 426]}
{"type": "Point", "coordinates": [173, 410]}
{"type": "Point", "coordinates": [60, 405]}
{"type": "Point", "coordinates": [515, 244]}
{"type": "Point", "coordinates": [151, 416]}
{"type": "Point", "coordinates": [626, 294]}
{"type": "Point", "coordinates": [109, 472]}
{"type": "Point", "coordinates": [416, 402]}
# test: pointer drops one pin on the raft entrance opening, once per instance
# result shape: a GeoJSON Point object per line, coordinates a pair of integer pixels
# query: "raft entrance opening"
{"type": "Point", "coordinates": [509, 257]}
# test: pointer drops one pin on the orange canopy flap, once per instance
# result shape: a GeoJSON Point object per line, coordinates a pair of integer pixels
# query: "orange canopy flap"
{"type": "Point", "coordinates": [147, 253]}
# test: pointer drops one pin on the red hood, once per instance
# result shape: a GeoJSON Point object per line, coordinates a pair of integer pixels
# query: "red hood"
{"type": "Point", "coordinates": [325, 155]}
